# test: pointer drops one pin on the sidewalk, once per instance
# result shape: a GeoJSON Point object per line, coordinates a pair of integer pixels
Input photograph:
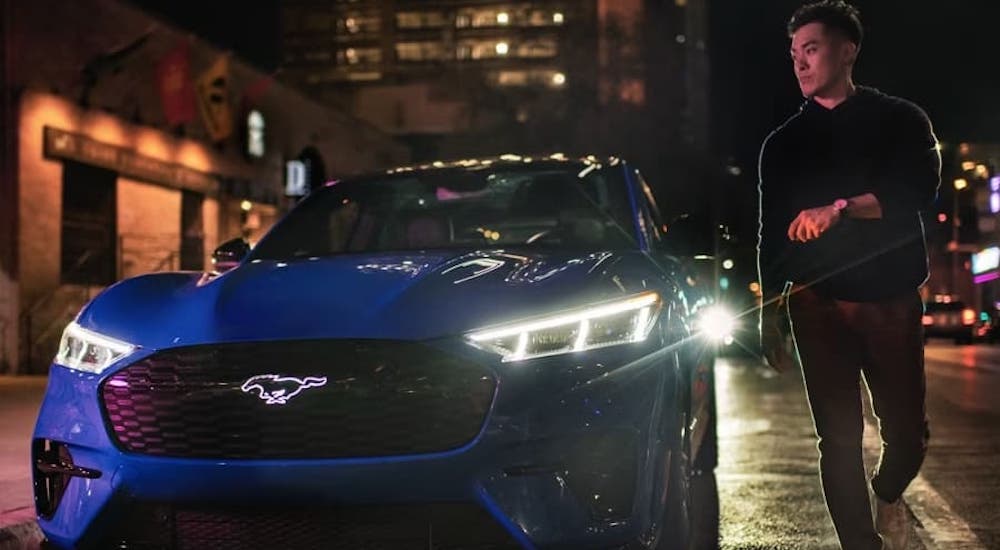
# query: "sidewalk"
{"type": "Point", "coordinates": [20, 398]}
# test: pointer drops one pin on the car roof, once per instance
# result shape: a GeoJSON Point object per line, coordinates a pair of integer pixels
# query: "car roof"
{"type": "Point", "coordinates": [507, 162]}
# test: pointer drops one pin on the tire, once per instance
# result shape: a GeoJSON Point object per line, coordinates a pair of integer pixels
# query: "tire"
{"type": "Point", "coordinates": [676, 531]}
{"type": "Point", "coordinates": [707, 457]}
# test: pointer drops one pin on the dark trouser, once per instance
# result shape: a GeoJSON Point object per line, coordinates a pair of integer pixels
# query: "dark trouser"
{"type": "Point", "coordinates": [837, 341]}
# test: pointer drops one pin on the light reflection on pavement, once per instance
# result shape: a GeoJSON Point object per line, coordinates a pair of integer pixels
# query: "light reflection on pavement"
{"type": "Point", "coordinates": [768, 481]}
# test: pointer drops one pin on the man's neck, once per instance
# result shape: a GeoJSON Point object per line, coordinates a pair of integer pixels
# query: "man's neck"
{"type": "Point", "coordinates": [836, 95]}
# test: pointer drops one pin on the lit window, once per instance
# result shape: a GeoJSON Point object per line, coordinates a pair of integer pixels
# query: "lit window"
{"type": "Point", "coordinates": [558, 79]}
{"type": "Point", "coordinates": [421, 51]}
{"type": "Point", "coordinates": [557, 18]}
{"type": "Point", "coordinates": [352, 25]}
{"type": "Point", "coordinates": [462, 21]}
{"type": "Point", "coordinates": [418, 19]}
{"type": "Point", "coordinates": [503, 18]}
{"type": "Point", "coordinates": [502, 48]}
{"type": "Point", "coordinates": [359, 56]}
{"type": "Point", "coordinates": [545, 47]}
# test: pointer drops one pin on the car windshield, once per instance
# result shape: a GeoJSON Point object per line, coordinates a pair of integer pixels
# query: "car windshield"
{"type": "Point", "coordinates": [564, 205]}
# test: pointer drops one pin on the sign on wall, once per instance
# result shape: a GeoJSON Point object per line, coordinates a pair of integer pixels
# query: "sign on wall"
{"type": "Point", "coordinates": [60, 144]}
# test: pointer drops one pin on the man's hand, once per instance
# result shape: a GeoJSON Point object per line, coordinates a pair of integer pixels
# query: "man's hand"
{"type": "Point", "coordinates": [772, 340]}
{"type": "Point", "coordinates": [812, 223]}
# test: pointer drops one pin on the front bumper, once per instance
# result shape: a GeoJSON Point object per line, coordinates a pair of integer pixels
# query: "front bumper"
{"type": "Point", "coordinates": [567, 457]}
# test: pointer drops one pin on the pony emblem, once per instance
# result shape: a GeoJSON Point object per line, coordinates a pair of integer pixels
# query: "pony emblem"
{"type": "Point", "coordinates": [278, 390]}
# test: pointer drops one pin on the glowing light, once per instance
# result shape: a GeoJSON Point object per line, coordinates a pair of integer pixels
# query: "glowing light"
{"type": "Point", "coordinates": [968, 166]}
{"type": "Point", "coordinates": [89, 351]}
{"type": "Point", "coordinates": [278, 390]}
{"type": "Point", "coordinates": [995, 183]}
{"type": "Point", "coordinates": [558, 18]}
{"type": "Point", "coordinates": [503, 18]}
{"type": "Point", "coordinates": [246, 205]}
{"type": "Point", "coordinates": [982, 171]}
{"type": "Point", "coordinates": [942, 217]}
{"type": "Point", "coordinates": [559, 79]}
{"type": "Point", "coordinates": [502, 48]}
{"type": "Point", "coordinates": [615, 329]}
{"type": "Point", "coordinates": [727, 264]}
{"type": "Point", "coordinates": [716, 323]}
{"type": "Point", "coordinates": [960, 183]}
{"type": "Point", "coordinates": [994, 202]}
{"type": "Point", "coordinates": [755, 287]}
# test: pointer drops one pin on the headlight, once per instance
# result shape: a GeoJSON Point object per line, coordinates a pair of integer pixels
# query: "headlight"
{"type": "Point", "coordinates": [717, 323]}
{"type": "Point", "coordinates": [597, 326]}
{"type": "Point", "coordinates": [89, 351]}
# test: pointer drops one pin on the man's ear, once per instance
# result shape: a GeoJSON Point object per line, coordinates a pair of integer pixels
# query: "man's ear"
{"type": "Point", "coordinates": [850, 52]}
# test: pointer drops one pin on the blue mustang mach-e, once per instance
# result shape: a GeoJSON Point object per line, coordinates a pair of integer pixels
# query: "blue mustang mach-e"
{"type": "Point", "coordinates": [495, 353]}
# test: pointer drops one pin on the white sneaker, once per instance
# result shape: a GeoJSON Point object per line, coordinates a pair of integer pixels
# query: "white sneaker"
{"type": "Point", "coordinates": [892, 521]}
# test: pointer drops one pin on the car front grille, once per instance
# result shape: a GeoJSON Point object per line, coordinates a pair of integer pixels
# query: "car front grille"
{"type": "Point", "coordinates": [439, 526]}
{"type": "Point", "coordinates": [297, 399]}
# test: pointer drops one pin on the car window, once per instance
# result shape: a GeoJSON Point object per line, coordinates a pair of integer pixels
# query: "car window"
{"type": "Point", "coordinates": [548, 207]}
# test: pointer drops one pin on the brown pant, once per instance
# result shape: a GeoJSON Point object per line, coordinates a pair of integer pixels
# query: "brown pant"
{"type": "Point", "coordinates": [837, 341]}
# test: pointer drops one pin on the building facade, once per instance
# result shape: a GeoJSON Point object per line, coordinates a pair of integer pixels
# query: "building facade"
{"type": "Point", "coordinates": [484, 76]}
{"type": "Point", "coordinates": [131, 147]}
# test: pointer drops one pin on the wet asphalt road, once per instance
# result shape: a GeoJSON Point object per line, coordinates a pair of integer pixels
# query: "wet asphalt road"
{"type": "Point", "coordinates": [768, 484]}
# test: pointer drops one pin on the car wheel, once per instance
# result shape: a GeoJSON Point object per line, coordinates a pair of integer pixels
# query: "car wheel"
{"type": "Point", "coordinates": [676, 531]}
{"type": "Point", "coordinates": [707, 457]}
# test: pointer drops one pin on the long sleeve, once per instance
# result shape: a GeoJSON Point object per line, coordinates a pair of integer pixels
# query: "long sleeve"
{"type": "Point", "coordinates": [907, 181]}
{"type": "Point", "coordinates": [769, 241]}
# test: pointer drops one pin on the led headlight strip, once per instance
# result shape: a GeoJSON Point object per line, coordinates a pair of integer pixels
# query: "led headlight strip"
{"type": "Point", "coordinates": [620, 322]}
{"type": "Point", "coordinates": [89, 351]}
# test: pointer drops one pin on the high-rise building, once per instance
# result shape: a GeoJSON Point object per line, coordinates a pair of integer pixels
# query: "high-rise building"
{"type": "Point", "coordinates": [603, 75]}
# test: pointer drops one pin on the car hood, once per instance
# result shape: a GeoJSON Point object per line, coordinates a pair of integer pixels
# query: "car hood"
{"type": "Point", "coordinates": [394, 296]}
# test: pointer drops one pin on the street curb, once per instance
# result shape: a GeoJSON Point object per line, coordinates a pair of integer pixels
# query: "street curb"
{"type": "Point", "coordinates": [19, 530]}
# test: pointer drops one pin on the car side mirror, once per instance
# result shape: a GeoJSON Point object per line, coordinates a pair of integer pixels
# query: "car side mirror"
{"type": "Point", "coordinates": [229, 255]}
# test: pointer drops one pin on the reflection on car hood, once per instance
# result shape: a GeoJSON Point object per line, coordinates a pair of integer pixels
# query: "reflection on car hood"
{"type": "Point", "coordinates": [383, 295]}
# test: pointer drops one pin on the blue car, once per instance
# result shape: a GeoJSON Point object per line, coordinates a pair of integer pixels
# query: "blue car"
{"type": "Point", "coordinates": [482, 354]}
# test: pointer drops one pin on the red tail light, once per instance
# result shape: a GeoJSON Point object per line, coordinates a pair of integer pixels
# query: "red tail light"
{"type": "Point", "coordinates": [928, 320]}
{"type": "Point", "coordinates": [968, 317]}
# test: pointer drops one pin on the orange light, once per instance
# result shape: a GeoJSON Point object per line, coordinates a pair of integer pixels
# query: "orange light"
{"type": "Point", "coordinates": [968, 317]}
{"type": "Point", "coordinates": [927, 320]}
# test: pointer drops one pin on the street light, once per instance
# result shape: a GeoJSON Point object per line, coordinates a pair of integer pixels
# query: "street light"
{"type": "Point", "coordinates": [960, 184]}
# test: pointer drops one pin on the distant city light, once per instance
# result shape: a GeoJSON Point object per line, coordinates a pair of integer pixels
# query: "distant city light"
{"type": "Point", "coordinates": [960, 184]}
{"type": "Point", "coordinates": [995, 183]}
{"type": "Point", "coordinates": [755, 287]}
{"type": "Point", "coordinates": [680, 38]}
{"type": "Point", "coordinates": [503, 18]}
{"type": "Point", "coordinates": [724, 283]}
{"type": "Point", "coordinates": [559, 79]}
{"type": "Point", "coordinates": [968, 166]}
{"type": "Point", "coordinates": [982, 171]}
{"type": "Point", "coordinates": [502, 48]}
{"type": "Point", "coordinates": [727, 264]}
{"type": "Point", "coordinates": [995, 202]}
{"type": "Point", "coordinates": [557, 18]}
{"type": "Point", "coordinates": [246, 206]}
{"type": "Point", "coordinates": [942, 217]}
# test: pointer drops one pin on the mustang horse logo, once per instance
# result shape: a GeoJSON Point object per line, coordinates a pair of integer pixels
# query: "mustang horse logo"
{"type": "Point", "coordinates": [277, 390]}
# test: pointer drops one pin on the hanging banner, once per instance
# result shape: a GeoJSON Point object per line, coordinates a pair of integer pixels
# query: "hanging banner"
{"type": "Point", "coordinates": [212, 89]}
{"type": "Point", "coordinates": [173, 80]}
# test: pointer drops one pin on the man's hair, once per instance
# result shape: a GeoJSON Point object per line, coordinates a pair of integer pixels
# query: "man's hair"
{"type": "Point", "coordinates": [835, 15]}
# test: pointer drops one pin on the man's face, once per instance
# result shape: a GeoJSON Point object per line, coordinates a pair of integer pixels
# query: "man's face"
{"type": "Point", "coordinates": [821, 59]}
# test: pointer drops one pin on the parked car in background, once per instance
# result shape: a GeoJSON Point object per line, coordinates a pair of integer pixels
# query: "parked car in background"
{"type": "Point", "coordinates": [950, 319]}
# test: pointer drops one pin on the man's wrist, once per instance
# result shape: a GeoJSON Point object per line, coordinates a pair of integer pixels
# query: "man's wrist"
{"type": "Point", "coordinates": [840, 206]}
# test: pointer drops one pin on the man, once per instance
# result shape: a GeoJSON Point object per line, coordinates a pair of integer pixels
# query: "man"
{"type": "Point", "coordinates": [841, 244]}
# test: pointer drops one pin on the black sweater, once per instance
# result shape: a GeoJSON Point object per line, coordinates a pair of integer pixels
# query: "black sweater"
{"type": "Point", "coordinates": [870, 143]}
